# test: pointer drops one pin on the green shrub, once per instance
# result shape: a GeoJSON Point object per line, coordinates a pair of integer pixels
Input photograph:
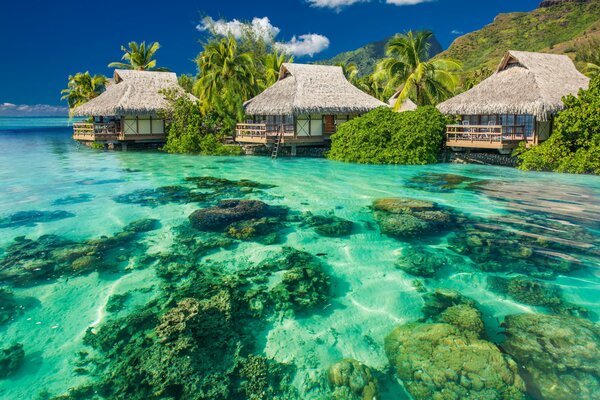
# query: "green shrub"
{"type": "Point", "coordinates": [574, 146]}
{"type": "Point", "coordinates": [383, 136]}
{"type": "Point", "coordinates": [189, 131]}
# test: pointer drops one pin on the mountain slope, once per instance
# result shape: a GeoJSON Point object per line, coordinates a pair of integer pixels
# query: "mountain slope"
{"type": "Point", "coordinates": [555, 28]}
{"type": "Point", "coordinates": [366, 57]}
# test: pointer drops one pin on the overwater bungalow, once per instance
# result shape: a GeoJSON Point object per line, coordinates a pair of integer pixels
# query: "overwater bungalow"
{"type": "Point", "coordinates": [517, 103]}
{"type": "Point", "coordinates": [303, 108]}
{"type": "Point", "coordinates": [127, 113]}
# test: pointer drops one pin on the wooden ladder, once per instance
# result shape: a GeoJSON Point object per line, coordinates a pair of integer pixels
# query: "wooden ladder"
{"type": "Point", "coordinates": [275, 152]}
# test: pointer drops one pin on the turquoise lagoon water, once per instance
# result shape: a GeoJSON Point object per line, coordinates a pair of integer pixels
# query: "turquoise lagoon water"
{"type": "Point", "coordinates": [42, 169]}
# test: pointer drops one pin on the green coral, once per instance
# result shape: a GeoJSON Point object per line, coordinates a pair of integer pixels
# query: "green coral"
{"type": "Point", "coordinates": [436, 182]}
{"type": "Point", "coordinates": [351, 380]}
{"type": "Point", "coordinates": [439, 361]}
{"type": "Point", "coordinates": [408, 218]}
{"type": "Point", "coordinates": [560, 355]}
{"type": "Point", "coordinates": [29, 261]}
{"type": "Point", "coordinates": [420, 261]}
{"type": "Point", "coordinates": [329, 225]}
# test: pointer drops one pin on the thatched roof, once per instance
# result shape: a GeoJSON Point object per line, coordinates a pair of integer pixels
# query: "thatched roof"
{"type": "Point", "coordinates": [407, 104]}
{"type": "Point", "coordinates": [311, 89]}
{"type": "Point", "coordinates": [132, 93]}
{"type": "Point", "coordinates": [525, 83]}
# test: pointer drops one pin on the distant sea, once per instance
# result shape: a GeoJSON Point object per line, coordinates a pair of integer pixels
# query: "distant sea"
{"type": "Point", "coordinates": [17, 124]}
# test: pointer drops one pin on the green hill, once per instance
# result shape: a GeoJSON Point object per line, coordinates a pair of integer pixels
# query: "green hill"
{"type": "Point", "coordinates": [366, 57]}
{"type": "Point", "coordinates": [557, 27]}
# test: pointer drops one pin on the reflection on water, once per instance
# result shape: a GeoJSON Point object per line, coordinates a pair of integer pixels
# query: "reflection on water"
{"type": "Point", "coordinates": [145, 275]}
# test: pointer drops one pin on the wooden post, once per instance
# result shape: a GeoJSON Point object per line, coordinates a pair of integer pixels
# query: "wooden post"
{"type": "Point", "coordinates": [151, 124]}
{"type": "Point", "coordinates": [137, 124]}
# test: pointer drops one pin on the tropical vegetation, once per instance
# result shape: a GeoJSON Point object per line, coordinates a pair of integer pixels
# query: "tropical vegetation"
{"type": "Point", "coordinates": [82, 87]}
{"type": "Point", "coordinates": [190, 131]}
{"type": "Point", "coordinates": [383, 136]}
{"type": "Point", "coordinates": [407, 69]}
{"type": "Point", "coordinates": [574, 146]}
{"type": "Point", "coordinates": [139, 57]}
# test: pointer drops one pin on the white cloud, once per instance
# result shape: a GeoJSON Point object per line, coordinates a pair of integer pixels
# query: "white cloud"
{"type": "Point", "coordinates": [35, 110]}
{"type": "Point", "coordinates": [456, 32]}
{"type": "Point", "coordinates": [304, 45]}
{"type": "Point", "coordinates": [406, 2]}
{"type": "Point", "coordinates": [339, 4]}
{"type": "Point", "coordinates": [335, 4]}
{"type": "Point", "coordinates": [262, 27]}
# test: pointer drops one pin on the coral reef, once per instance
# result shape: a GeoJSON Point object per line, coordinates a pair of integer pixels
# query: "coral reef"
{"type": "Point", "coordinates": [559, 355]}
{"type": "Point", "coordinates": [264, 230]}
{"type": "Point", "coordinates": [436, 182]}
{"type": "Point", "coordinates": [9, 308]}
{"type": "Point", "coordinates": [529, 291]}
{"type": "Point", "coordinates": [302, 284]}
{"type": "Point", "coordinates": [32, 218]}
{"type": "Point", "coordinates": [161, 196]}
{"type": "Point", "coordinates": [73, 199]}
{"type": "Point", "coordinates": [227, 212]}
{"type": "Point", "coordinates": [31, 262]}
{"type": "Point", "coordinates": [420, 261]}
{"type": "Point", "coordinates": [328, 225]}
{"type": "Point", "coordinates": [439, 361]}
{"type": "Point", "coordinates": [403, 218]}
{"type": "Point", "coordinates": [497, 248]}
{"type": "Point", "coordinates": [438, 301]}
{"type": "Point", "coordinates": [11, 359]}
{"type": "Point", "coordinates": [352, 380]}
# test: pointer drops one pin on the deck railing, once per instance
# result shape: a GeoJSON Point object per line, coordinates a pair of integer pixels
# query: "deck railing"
{"type": "Point", "coordinates": [96, 127]}
{"type": "Point", "coordinates": [109, 131]}
{"type": "Point", "coordinates": [488, 135]}
{"type": "Point", "coordinates": [264, 130]}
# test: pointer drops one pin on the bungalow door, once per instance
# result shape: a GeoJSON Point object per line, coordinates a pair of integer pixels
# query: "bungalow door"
{"type": "Point", "coordinates": [328, 124]}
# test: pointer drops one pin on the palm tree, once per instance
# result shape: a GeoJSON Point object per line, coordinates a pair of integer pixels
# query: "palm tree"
{"type": "Point", "coordinates": [371, 85]}
{"type": "Point", "coordinates": [272, 65]}
{"type": "Point", "coordinates": [408, 69]}
{"type": "Point", "coordinates": [225, 73]}
{"type": "Point", "coordinates": [350, 70]}
{"type": "Point", "coordinates": [83, 87]}
{"type": "Point", "coordinates": [138, 57]}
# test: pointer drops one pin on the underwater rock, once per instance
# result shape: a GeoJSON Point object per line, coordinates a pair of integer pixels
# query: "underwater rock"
{"type": "Point", "coordinates": [32, 218]}
{"type": "Point", "coordinates": [73, 199]}
{"type": "Point", "coordinates": [11, 359]}
{"type": "Point", "coordinates": [9, 308]}
{"type": "Point", "coordinates": [221, 184]}
{"type": "Point", "coordinates": [303, 284]}
{"type": "Point", "coordinates": [352, 380]}
{"type": "Point", "coordinates": [328, 225]}
{"type": "Point", "coordinates": [263, 378]}
{"type": "Point", "coordinates": [227, 212]}
{"type": "Point", "coordinates": [161, 196]}
{"type": "Point", "coordinates": [117, 302]}
{"type": "Point", "coordinates": [436, 182]}
{"type": "Point", "coordinates": [559, 355]}
{"type": "Point", "coordinates": [30, 262]}
{"type": "Point", "coordinates": [403, 218]}
{"type": "Point", "coordinates": [438, 361]}
{"type": "Point", "coordinates": [497, 248]}
{"type": "Point", "coordinates": [536, 293]}
{"type": "Point", "coordinates": [420, 261]}
{"type": "Point", "coordinates": [262, 229]}
{"type": "Point", "coordinates": [438, 301]}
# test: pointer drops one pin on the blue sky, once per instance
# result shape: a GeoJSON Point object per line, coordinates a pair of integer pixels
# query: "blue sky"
{"type": "Point", "coordinates": [44, 41]}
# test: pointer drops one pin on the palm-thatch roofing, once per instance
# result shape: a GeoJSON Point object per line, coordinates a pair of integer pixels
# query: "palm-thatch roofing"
{"type": "Point", "coordinates": [407, 104]}
{"type": "Point", "coordinates": [132, 93]}
{"type": "Point", "coordinates": [524, 83]}
{"type": "Point", "coordinates": [311, 89]}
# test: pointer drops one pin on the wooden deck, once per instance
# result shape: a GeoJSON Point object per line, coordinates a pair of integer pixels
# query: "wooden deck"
{"type": "Point", "coordinates": [269, 134]}
{"type": "Point", "coordinates": [111, 132]}
{"type": "Point", "coordinates": [494, 137]}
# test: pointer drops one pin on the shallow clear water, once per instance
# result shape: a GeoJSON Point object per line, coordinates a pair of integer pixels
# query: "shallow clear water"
{"type": "Point", "coordinates": [43, 169]}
